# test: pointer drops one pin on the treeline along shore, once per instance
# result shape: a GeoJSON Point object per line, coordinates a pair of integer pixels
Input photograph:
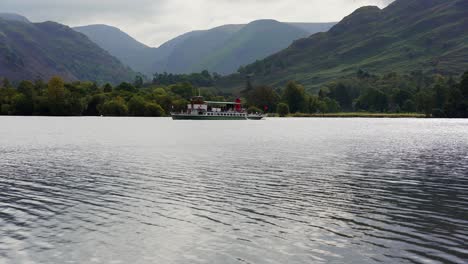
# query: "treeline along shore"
{"type": "Point", "coordinates": [362, 95]}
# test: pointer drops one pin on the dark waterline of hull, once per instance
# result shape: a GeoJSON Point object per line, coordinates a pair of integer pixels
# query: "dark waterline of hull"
{"type": "Point", "coordinates": [206, 117]}
{"type": "Point", "coordinates": [203, 117]}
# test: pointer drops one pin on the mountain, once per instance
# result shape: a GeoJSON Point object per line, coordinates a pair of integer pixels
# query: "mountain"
{"type": "Point", "coordinates": [254, 41]}
{"type": "Point", "coordinates": [14, 17]}
{"type": "Point", "coordinates": [313, 28]}
{"type": "Point", "coordinates": [409, 35]}
{"type": "Point", "coordinates": [222, 49]}
{"type": "Point", "coordinates": [118, 43]}
{"type": "Point", "coordinates": [33, 50]}
{"type": "Point", "coordinates": [186, 56]}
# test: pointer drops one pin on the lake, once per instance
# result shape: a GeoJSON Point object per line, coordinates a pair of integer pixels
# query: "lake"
{"type": "Point", "coordinates": [153, 190]}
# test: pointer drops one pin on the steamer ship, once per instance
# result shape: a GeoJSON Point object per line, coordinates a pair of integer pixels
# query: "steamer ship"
{"type": "Point", "coordinates": [199, 109]}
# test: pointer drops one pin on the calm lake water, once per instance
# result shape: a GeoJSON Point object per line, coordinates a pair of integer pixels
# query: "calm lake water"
{"type": "Point", "coordinates": [149, 190]}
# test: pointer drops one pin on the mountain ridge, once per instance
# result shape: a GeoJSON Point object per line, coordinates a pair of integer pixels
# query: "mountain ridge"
{"type": "Point", "coordinates": [431, 36]}
{"type": "Point", "coordinates": [42, 50]}
{"type": "Point", "coordinates": [14, 17]}
{"type": "Point", "coordinates": [196, 50]}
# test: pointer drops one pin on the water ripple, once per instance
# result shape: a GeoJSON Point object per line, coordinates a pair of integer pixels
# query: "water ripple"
{"type": "Point", "coordinates": [278, 191]}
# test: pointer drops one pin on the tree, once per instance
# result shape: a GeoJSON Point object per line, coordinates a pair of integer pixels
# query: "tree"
{"type": "Point", "coordinates": [179, 105]}
{"type": "Point", "coordinates": [440, 96]}
{"type": "Point", "coordinates": [26, 88]}
{"type": "Point", "coordinates": [372, 100]}
{"type": "Point", "coordinates": [425, 102]}
{"type": "Point", "coordinates": [6, 83]}
{"type": "Point", "coordinates": [40, 87]}
{"type": "Point", "coordinates": [5, 109]}
{"type": "Point", "coordinates": [125, 87]}
{"type": "Point", "coordinates": [94, 103]}
{"type": "Point", "coordinates": [263, 96]}
{"type": "Point", "coordinates": [74, 105]}
{"type": "Point", "coordinates": [322, 94]}
{"type": "Point", "coordinates": [457, 104]}
{"type": "Point", "coordinates": [138, 83]}
{"type": "Point", "coordinates": [107, 88]}
{"type": "Point", "coordinates": [254, 109]}
{"type": "Point", "coordinates": [464, 86]}
{"type": "Point", "coordinates": [409, 106]}
{"type": "Point", "coordinates": [56, 96]}
{"type": "Point", "coordinates": [184, 90]}
{"type": "Point", "coordinates": [362, 74]}
{"type": "Point", "coordinates": [114, 107]}
{"type": "Point", "coordinates": [24, 103]}
{"type": "Point", "coordinates": [399, 97]}
{"type": "Point", "coordinates": [137, 106]}
{"type": "Point", "coordinates": [248, 84]}
{"type": "Point", "coordinates": [282, 109]}
{"type": "Point", "coordinates": [343, 94]}
{"type": "Point", "coordinates": [153, 109]}
{"type": "Point", "coordinates": [332, 106]}
{"type": "Point", "coordinates": [295, 97]}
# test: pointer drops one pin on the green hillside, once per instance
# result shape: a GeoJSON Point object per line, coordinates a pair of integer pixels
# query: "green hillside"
{"type": "Point", "coordinates": [225, 49]}
{"type": "Point", "coordinates": [255, 41]}
{"type": "Point", "coordinates": [186, 56]}
{"type": "Point", "coordinates": [409, 35]}
{"type": "Point", "coordinates": [42, 50]}
{"type": "Point", "coordinates": [119, 44]}
{"type": "Point", "coordinates": [313, 28]}
{"type": "Point", "coordinates": [222, 49]}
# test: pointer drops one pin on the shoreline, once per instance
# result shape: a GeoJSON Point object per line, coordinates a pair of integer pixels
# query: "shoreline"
{"type": "Point", "coordinates": [297, 115]}
{"type": "Point", "coordinates": [359, 115]}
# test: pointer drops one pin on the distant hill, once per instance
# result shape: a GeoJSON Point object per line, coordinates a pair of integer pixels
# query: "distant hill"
{"type": "Point", "coordinates": [187, 56]}
{"type": "Point", "coordinates": [222, 49]}
{"type": "Point", "coordinates": [14, 17]}
{"type": "Point", "coordinates": [252, 42]}
{"type": "Point", "coordinates": [408, 35]}
{"type": "Point", "coordinates": [42, 50]}
{"type": "Point", "coordinates": [313, 28]}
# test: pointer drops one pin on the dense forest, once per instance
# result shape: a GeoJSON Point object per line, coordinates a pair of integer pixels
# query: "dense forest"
{"type": "Point", "coordinates": [434, 96]}
{"type": "Point", "coordinates": [57, 98]}
{"type": "Point", "coordinates": [407, 35]}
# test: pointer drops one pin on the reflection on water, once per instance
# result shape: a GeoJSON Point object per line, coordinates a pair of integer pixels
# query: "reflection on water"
{"type": "Point", "coordinates": [105, 190]}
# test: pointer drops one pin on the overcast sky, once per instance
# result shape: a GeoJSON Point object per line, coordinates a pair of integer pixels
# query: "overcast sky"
{"type": "Point", "coordinates": [156, 21]}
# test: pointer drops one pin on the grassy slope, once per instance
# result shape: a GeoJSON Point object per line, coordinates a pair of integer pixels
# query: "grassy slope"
{"type": "Point", "coordinates": [222, 49]}
{"type": "Point", "coordinates": [187, 55]}
{"type": "Point", "coordinates": [128, 50]}
{"type": "Point", "coordinates": [313, 28]}
{"type": "Point", "coordinates": [427, 35]}
{"type": "Point", "coordinates": [225, 49]}
{"type": "Point", "coordinates": [253, 42]}
{"type": "Point", "coordinates": [29, 51]}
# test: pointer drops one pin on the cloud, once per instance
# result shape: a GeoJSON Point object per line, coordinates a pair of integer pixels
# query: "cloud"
{"type": "Point", "coordinates": [156, 21]}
